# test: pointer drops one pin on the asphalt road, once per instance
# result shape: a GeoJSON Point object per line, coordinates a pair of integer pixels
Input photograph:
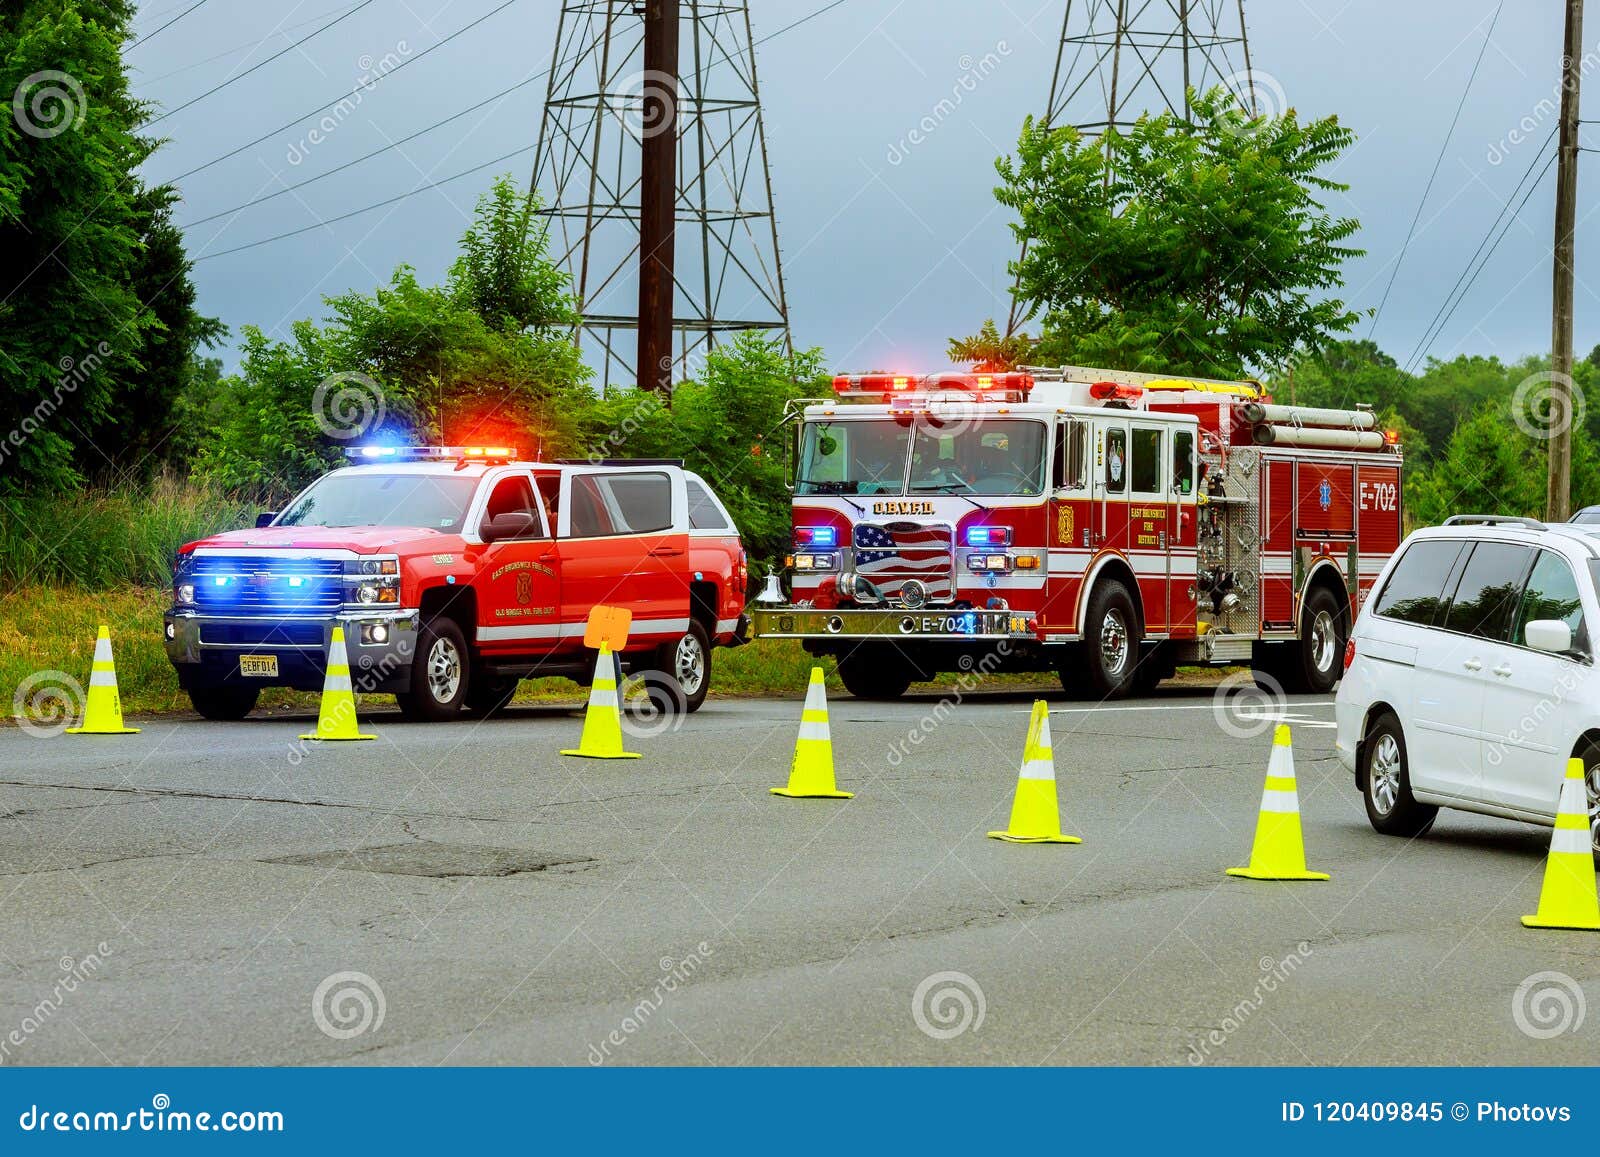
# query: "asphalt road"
{"type": "Point", "coordinates": [181, 896]}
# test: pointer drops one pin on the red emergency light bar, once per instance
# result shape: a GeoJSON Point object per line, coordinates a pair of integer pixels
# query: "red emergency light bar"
{"type": "Point", "coordinates": [1114, 392]}
{"type": "Point", "coordinates": [1015, 385]}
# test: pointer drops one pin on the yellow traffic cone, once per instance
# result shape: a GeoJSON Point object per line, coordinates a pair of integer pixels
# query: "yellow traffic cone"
{"type": "Point", "coordinates": [102, 712]}
{"type": "Point", "coordinates": [336, 718]}
{"type": "Point", "coordinates": [602, 722]}
{"type": "Point", "coordinates": [1035, 812]}
{"type": "Point", "coordinates": [811, 773]}
{"type": "Point", "coordinates": [1568, 898]}
{"type": "Point", "coordinates": [1279, 852]}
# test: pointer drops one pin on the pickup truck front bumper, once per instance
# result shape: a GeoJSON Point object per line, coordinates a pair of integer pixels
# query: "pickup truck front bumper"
{"type": "Point", "coordinates": [205, 649]}
{"type": "Point", "coordinates": [956, 626]}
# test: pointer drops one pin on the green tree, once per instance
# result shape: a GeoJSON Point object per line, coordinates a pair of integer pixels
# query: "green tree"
{"type": "Point", "coordinates": [96, 311]}
{"type": "Point", "coordinates": [990, 351]}
{"type": "Point", "coordinates": [1191, 247]}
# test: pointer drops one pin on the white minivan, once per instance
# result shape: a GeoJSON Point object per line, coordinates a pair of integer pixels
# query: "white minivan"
{"type": "Point", "coordinates": [1469, 675]}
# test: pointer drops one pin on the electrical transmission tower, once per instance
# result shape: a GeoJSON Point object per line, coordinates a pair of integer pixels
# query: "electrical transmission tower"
{"type": "Point", "coordinates": [608, 102]}
{"type": "Point", "coordinates": [1119, 59]}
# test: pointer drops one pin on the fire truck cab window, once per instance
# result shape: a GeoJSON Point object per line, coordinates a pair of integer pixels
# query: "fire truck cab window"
{"type": "Point", "coordinates": [1182, 462]}
{"type": "Point", "coordinates": [858, 457]}
{"type": "Point", "coordinates": [1146, 468]}
{"type": "Point", "coordinates": [1001, 457]}
{"type": "Point", "coordinates": [1071, 441]}
{"type": "Point", "coordinates": [1116, 460]}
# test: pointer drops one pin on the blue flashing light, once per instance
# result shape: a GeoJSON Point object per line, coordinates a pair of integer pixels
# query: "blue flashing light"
{"type": "Point", "coordinates": [822, 537]}
{"type": "Point", "coordinates": [968, 623]}
{"type": "Point", "coordinates": [988, 536]}
{"type": "Point", "coordinates": [296, 580]}
{"type": "Point", "coordinates": [379, 451]}
{"type": "Point", "coordinates": [221, 580]}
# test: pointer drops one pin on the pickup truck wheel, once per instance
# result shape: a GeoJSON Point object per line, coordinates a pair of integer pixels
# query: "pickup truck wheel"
{"type": "Point", "coordinates": [1111, 640]}
{"type": "Point", "coordinates": [439, 675]}
{"type": "Point", "coordinates": [224, 704]}
{"type": "Point", "coordinates": [875, 673]}
{"type": "Point", "coordinates": [489, 696]}
{"type": "Point", "coordinates": [687, 664]}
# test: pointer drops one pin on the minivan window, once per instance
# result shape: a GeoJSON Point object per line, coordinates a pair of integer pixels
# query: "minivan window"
{"type": "Point", "coordinates": [1415, 590]}
{"type": "Point", "coordinates": [1552, 594]}
{"type": "Point", "coordinates": [1491, 585]}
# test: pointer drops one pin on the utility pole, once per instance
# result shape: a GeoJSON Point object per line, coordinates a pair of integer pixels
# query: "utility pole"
{"type": "Point", "coordinates": [1558, 491]}
{"type": "Point", "coordinates": [658, 196]}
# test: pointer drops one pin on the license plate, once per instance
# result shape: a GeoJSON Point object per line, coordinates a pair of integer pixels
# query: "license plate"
{"type": "Point", "coordinates": [262, 666]}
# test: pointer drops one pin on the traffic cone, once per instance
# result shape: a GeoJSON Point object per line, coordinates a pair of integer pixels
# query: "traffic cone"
{"type": "Point", "coordinates": [1568, 898]}
{"type": "Point", "coordinates": [811, 773]}
{"type": "Point", "coordinates": [1035, 813]}
{"type": "Point", "coordinates": [102, 712]}
{"type": "Point", "coordinates": [602, 722]}
{"type": "Point", "coordinates": [1279, 852]}
{"type": "Point", "coordinates": [336, 718]}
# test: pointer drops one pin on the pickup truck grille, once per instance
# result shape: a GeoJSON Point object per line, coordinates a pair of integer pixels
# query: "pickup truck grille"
{"type": "Point", "coordinates": [889, 553]}
{"type": "Point", "coordinates": [265, 585]}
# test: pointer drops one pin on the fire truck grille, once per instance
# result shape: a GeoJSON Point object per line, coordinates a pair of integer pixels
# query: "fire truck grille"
{"type": "Point", "coordinates": [889, 553]}
{"type": "Point", "coordinates": [253, 586]}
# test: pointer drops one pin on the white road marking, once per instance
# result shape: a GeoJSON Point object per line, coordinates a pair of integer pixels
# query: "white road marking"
{"type": "Point", "coordinates": [1099, 708]}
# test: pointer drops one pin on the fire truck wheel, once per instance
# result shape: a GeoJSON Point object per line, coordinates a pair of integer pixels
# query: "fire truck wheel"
{"type": "Point", "coordinates": [1386, 772]}
{"type": "Point", "coordinates": [687, 664]}
{"type": "Point", "coordinates": [488, 696]}
{"type": "Point", "coordinates": [224, 704]}
{"type": "Point", "coordinates": [1317, 661]}
{"type": "Point", "coordinates": [438, 674]}
{"type": "Point", "coordinates": [1111, 640]}
{"type": "Point", "coordinates": [875, 673]}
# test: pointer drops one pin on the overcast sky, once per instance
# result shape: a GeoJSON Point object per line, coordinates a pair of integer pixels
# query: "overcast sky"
{"type": "Point", "coordinates": [883, 260]}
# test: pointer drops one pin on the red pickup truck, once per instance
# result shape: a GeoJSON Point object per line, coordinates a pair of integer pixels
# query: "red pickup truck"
{"type": "Point", "coordinates": [455, 572]}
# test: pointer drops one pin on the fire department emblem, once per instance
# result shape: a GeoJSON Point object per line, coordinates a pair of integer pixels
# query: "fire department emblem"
{"type": "Point", "coordinates": [1064, 523]}
{"type": "Point", "coordinates": [524, 587]}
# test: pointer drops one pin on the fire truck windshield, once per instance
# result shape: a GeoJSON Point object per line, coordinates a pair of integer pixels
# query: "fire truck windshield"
{"type": "Point", "coordinates": [862, 456]}
{"type": "Point", "coordinates": [433, 501]}
{"type": "Point", "coordinates": [995, 457]}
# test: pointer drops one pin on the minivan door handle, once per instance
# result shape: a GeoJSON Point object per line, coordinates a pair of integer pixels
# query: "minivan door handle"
{"type": "Point", "coordinates": [1503, 671]}
{"type": "Point", "coordinates": [1473, 665]}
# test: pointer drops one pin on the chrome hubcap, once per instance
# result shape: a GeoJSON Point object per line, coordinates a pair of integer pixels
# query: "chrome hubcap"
{"type": "Point", "coordinates": [689, 664]}
{"type": "Point", "coordinates": [1384, 775]}
{"type": "Point", "coordinates": [444, 670]}
{"type": "Point", "coordinates": [1324, 641]}
{"type": "Point", "coordinates": [1592, 782]}
{"type": "Point", "coordinates": [1114, 642]}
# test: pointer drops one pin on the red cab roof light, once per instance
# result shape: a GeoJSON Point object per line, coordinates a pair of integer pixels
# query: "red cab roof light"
{"type": "Point", "coordinates": [1115, 392]}
{"type": "Point", "coordinates": [1015, 385]}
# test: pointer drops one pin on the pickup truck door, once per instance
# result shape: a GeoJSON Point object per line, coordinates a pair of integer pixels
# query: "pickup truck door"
{"type": "Point", "coordinates": [624, 542]}
{"type": "Point", "coordinates": [519, 579]}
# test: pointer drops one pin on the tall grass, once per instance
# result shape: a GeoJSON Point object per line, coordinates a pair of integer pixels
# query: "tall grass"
{"type": "Point", "coordinates": [101, 539]}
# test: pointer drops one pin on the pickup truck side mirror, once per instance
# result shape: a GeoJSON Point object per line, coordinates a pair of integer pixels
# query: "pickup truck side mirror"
{"type": "Point", "coordinates": [265, 518]}
{"type": "Point", "coordinates": [1549, 635]}
{"type": "Point", "coordinates": [518, 524]}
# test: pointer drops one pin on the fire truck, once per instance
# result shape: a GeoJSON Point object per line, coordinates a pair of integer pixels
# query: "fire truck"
{"type": "Point", "coordinates": [1107, 526]}
{"type": "Point", "coordinates": [456, 571]}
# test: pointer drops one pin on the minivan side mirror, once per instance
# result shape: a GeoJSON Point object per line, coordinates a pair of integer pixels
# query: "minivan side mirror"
{"type": "Point", "coordinates": [265, 518]}
{"type": "Point", "coordinates": [1549, 635]}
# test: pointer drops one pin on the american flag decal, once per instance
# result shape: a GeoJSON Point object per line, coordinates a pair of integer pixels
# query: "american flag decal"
{"type": "Point", "coordinates": [889, 553]}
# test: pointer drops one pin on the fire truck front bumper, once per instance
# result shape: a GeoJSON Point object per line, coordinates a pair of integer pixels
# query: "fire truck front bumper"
{"type": "Point", "coordinates": [236, 650]}
{"type": "Point", "coordinates": [891, 622]}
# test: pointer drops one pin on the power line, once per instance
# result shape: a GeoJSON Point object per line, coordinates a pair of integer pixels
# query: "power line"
{"type": "Point", "coordinates": [423, 188]}
{"type": "Point", "coordinates": [1433, 332]}
{"type": "Point", "coordinates": [412, 136]}
{"type": "Point", "coordinates": [164, 27]}
{"type": "Point", "coordinates": [344, 95]}
{"type": "Point", "coordinates": [284, 30]}
{"type": "Point", "coordinates": [259, 64]}
{"type": "Point", "coordinates": [1438, 161]}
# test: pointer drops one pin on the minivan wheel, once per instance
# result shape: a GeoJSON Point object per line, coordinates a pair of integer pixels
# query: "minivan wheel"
{"type": "Point", "coordinates": [1591, 782]}
{"type": "Point", "coordinates": [1386, 774]}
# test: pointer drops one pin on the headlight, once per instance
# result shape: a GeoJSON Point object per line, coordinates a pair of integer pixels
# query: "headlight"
{"type": "Point", "coordinates": [367, 593]}
{"type": "Point", "coordinates": [184, 594]}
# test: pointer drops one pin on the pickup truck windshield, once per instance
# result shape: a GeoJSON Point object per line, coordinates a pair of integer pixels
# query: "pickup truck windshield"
{"type": "Point", "coordinates": [429, 501]}
{"type": "Point", "coordinates": [987, 457]}
{"type": "Point", "coordinates": [857, 457]}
